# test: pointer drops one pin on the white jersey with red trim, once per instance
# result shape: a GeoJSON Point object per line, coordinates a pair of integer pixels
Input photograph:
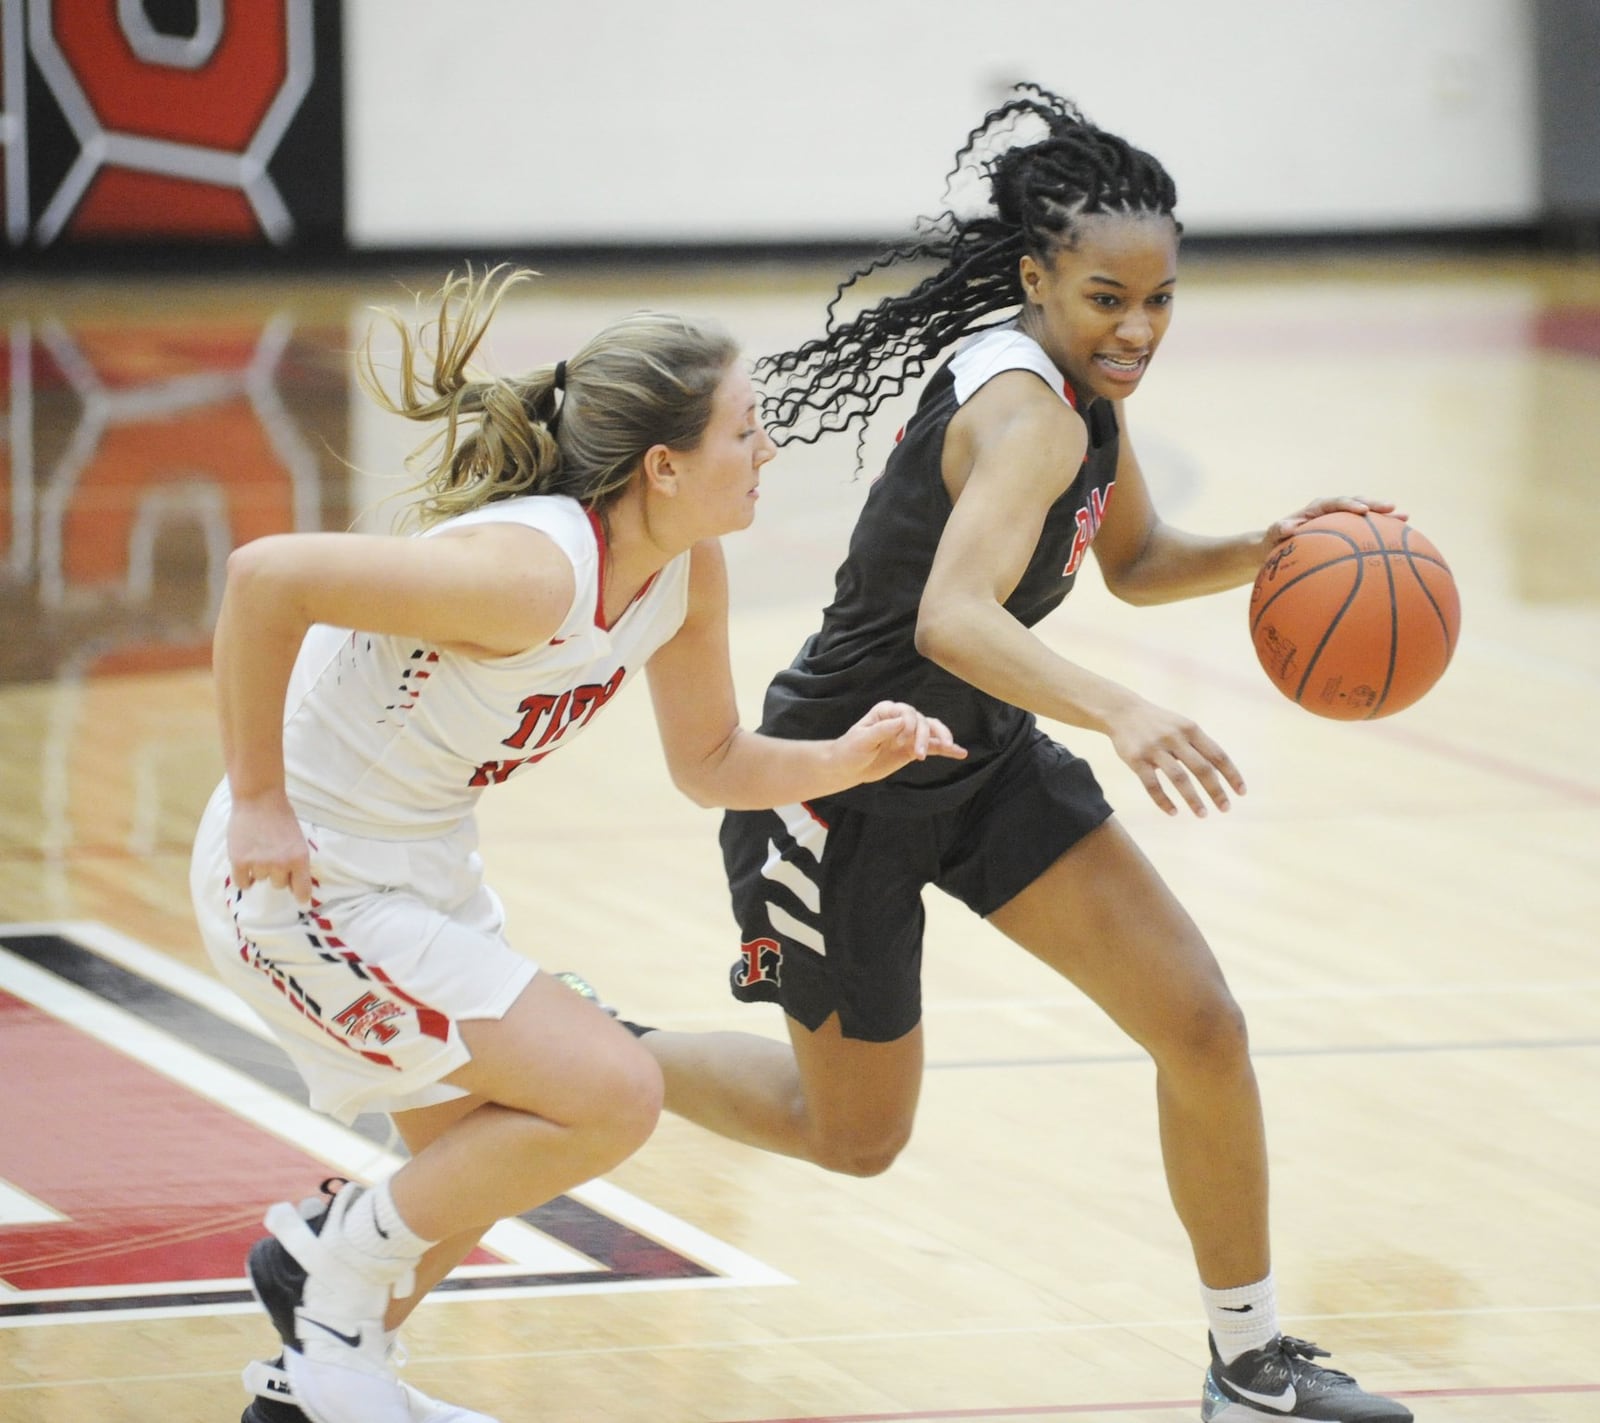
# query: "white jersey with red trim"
{"type": "Point", "coordinates": [393, 739]}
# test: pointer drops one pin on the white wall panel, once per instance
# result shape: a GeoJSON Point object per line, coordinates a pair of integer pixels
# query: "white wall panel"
{"type": "Point", "coordinates": [519, 121]}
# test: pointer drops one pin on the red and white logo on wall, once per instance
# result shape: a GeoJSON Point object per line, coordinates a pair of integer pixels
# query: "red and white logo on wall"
{"type": "Point", "coordinates": [140, 121]}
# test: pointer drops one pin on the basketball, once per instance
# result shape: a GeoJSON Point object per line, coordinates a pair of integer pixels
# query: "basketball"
{"type": "Point", "coordinates": [1354, 616]}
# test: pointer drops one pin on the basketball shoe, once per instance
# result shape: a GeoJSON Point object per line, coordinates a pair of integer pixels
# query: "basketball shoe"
{"type": "Point", "coordinates": [584, 989]}
{"type": "Point", "coordinates": [327, 1304]}
{"type": "Point", "coordinates": [274, 1400]}
{"type": "Point", "coordinates": [1282, 1381]}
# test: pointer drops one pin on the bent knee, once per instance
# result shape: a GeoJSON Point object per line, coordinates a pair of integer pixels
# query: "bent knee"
{"type": "Point", "coordinates": [631, 1098]}
{"type": "Point", "coordinates": [619, 1105]}
{"type": "Point", "coordinates": [859, 1154]}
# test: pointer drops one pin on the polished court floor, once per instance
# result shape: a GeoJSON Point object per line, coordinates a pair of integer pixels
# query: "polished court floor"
{"type": "Point", "coordinates": [1408, 909]}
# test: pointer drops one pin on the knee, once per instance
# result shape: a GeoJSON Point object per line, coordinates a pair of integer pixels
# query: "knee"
{"type": "Point", "coordinates": [859, 1153]}
{"type": "Point", "coordinates": [622, 1096]}
{"type": "Point", "coordinates": [1209, 1037]}
{"type": "Point", "coordinates": [631, 1102]}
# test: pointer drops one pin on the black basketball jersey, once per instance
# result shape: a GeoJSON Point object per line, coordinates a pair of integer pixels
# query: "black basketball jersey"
{"type": "Point", "coordinates": [865, 650]}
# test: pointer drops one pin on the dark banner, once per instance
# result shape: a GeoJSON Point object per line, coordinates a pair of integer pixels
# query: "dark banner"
{"type": "Point", "coordinates": [140, 123]}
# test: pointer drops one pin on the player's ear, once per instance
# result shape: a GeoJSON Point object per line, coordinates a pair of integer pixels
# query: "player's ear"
{"type": "Point", "coordinates": [1031, 274]}
{"type": "Point", "coordinates": [658, 471]}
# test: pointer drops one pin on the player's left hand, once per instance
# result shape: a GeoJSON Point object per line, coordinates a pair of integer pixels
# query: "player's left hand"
{"type": "Point", "coordinates": [1334, 504]}
{"type": "Point", "coordinates": [890, 736]}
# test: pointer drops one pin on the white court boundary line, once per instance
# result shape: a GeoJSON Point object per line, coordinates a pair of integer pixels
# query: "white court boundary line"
{"type": "Point", "coordinates": [528, 1251]}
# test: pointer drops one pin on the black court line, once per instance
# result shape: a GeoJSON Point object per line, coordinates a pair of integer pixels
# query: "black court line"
{"type": "Point", "coordinates": [1331, 1050]}
{"type": "Point", "coordinates": [621, 1253]}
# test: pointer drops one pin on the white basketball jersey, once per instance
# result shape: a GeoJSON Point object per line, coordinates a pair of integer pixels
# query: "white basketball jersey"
{"type": "Point", "coordinates": [390, 738]}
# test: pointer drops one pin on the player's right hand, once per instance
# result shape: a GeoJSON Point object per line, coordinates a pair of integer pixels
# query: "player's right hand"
{"type": "Point", "coordinates": [1163, 748]}
{"type": "Point", "coordinates": [267, 846]}
{"type": "Point", "coordinates": [890, 736]}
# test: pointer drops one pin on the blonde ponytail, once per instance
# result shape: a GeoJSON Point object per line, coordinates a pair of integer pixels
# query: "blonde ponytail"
{"type": "Point", "coordinates": [645, 380]}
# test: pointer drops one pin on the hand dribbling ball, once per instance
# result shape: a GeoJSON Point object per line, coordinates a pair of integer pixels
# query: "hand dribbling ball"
{"type": "Point", "coordinates": [1354, 616]}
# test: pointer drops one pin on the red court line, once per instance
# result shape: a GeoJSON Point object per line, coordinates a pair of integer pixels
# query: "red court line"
{"type": "Point", "coordinates": [1488, 762]}
{"type": "Point", "coordinates": [1560, 328]}
{"type": "Point", "coordinates": [1040, 1410]}
{"type": "Point", "coordinates": [34, 854]}
{"type": "Point", "coordinates": [1258, 690]}
{"type": "Point", "coordinates": [1509, 1391]}
{"type": "Point", "coordinates": [1186, 1405]}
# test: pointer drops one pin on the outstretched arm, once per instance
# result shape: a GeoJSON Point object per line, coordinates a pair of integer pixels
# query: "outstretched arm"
{"type": "Point", "coordinates": [1144, 560]}
{"type": "Point", "coordinates": [494, 590]}
{"type": "Point", "coordinates": [715, 761]}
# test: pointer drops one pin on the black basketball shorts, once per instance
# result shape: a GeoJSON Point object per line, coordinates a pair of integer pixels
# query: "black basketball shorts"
{"type": "Point", "coordinates": [828, 899]}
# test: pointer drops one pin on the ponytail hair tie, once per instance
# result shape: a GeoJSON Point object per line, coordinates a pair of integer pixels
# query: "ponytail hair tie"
{"type": "Point", "coordinates": [561, 375]}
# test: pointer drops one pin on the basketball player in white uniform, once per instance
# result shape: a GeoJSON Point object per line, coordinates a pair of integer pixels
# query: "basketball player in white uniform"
{"type": "Point", "coordinates": [370, 688]}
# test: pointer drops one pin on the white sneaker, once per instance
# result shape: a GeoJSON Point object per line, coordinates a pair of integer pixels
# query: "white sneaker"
{"type": "Point", "coordinates": [272, 1383]}
{"type": "Point", "coordinates": [328, 1306]}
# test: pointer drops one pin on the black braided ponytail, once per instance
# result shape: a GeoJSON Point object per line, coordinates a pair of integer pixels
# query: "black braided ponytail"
{"type": "Point", "coordinates": [1037, 191]}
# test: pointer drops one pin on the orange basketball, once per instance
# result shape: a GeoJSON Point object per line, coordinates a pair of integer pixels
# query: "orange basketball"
{"type": "Point", "coordinates": [1354, 616]}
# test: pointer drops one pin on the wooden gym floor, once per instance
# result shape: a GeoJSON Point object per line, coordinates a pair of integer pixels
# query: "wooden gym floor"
{"type": "Point", "coordinates": [1409, 909]}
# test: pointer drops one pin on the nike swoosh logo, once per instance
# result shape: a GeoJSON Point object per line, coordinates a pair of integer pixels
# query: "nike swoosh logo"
{"type": "Point", "coordinates": [1238, 1308]}
{"type": "Point", "coordinates": [1282, 1402]}
{"type": "Point", "coordinates": [354, 1340]}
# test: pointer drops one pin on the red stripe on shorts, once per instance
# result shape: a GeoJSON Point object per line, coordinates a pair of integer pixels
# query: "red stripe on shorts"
{"type": "Point", "coordinates": [433, 1023]}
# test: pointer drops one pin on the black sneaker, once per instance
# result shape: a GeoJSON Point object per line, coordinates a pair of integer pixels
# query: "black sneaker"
{"type": "Point", "coordinates": [584, 989]}
{"type": "Point", "coordinates": [1281, 1381]}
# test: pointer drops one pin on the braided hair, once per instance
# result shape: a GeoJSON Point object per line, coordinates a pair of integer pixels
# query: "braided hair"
{"type": "Point", "coordinates": [1037, 192]}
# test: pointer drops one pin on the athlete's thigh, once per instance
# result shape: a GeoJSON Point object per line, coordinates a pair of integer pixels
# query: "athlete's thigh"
{"type": "Point", "coordinates": [858, 1091]}
{"type": "Point", "coordinates": [420, 1126]}
{"type": "Point", "coordinates": [557, 1056]}
{"type": "Point", "coordinates": [1103, 917]}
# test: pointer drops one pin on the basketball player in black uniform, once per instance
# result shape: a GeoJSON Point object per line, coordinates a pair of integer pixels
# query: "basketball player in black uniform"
{"type": "Point", "coordinates": [1015, 463]}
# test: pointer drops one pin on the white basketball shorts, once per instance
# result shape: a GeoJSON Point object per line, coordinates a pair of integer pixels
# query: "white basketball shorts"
{"type": "Point", "coordinates": [367, 988]}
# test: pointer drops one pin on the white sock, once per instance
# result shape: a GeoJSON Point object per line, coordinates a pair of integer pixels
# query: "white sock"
{"type": "Point", "coordinates": [369, 1234]}
{"type": "Point", "coordinates": [363, 1257]}
{"type": "Point", "coordinates": [1242, 1318]}
{"type": "Point", "coordinates": [375, 1227]}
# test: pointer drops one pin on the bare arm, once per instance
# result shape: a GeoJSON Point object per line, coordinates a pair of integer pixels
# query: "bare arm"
{"type": "Point", "coordinates": [715, 761]}
{"type": "Point", "coordinates": [492, 590]}
{"type": "Point", "coordinates": [1145, 560]}
{"type": "Point", "coordinates": [1019, 449]}
{"type": "Point", "coordinates": [1011, 456]}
